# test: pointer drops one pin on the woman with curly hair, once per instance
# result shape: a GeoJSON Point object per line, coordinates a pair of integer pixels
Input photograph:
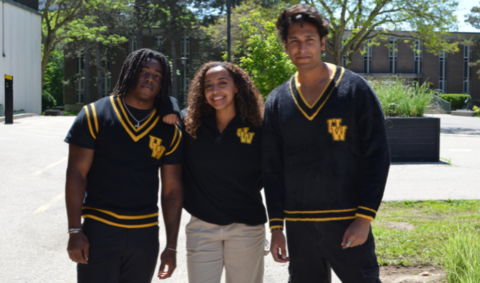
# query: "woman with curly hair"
{"type": "Point", "coordinates": [222, 176]}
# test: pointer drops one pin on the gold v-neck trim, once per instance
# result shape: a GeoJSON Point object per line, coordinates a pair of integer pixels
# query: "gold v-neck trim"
{"type": "Point", "coordinates": [323, 99]}
{"type": "Point", "coordinates": [297, 86]}
{"type": "Point", "coordinates": [132, 135]}
{"type": "Point", "coordinates": [128, 120]}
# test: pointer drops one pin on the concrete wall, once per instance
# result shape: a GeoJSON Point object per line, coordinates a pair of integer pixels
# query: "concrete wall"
{"type": "Point", "coordinates": [20, 41]}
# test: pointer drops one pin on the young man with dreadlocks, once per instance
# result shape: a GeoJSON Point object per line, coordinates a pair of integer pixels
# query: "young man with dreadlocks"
{"type": "Point", "coordinates": [117, 145]}
{"type": "Point", "coordinates": [325, 160]}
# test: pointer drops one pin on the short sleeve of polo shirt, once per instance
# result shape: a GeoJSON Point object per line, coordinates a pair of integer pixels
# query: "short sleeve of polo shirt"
{"type": "Point", "coordinates": [174, 154]}
{"type": "Point", "coordinates": [82, 131]}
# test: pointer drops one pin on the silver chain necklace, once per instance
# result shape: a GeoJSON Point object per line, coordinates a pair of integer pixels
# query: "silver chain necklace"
{"type": "Point", "coordinates": [138, 122]}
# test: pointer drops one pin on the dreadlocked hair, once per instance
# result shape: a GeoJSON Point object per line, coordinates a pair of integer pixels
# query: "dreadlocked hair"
{"type": "Point", "coordinates": [130, 71]}
{"type": "Point", "coordinates": [248, 102]}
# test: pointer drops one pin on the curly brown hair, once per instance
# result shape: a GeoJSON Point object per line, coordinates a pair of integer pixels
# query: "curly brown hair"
{"type": "Point", "coordinates": [301, 13]}
{"type": "Point", "coordinates": [248, 101]}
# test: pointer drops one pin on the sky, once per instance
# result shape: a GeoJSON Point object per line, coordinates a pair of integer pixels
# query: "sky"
{"type": "Point", "coordinates": [464, 7]}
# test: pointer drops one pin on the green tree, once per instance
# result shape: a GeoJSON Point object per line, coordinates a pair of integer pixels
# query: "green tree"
{"type": "Point", "coordinates": [354, 22]}
{"type": "Point", "coordinates": [473, 18]}
{"type": "Point", "coordinates": [265, 59]}
{"type": "Point", "coordinates": [66, 20]}
{"type": "Point", "coordinates": [217, 32]}
{"type": "Point", "coordinates": [54, 76]}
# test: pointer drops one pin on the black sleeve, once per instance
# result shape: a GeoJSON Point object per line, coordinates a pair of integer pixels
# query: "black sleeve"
{"type": "Point", "coordinates": [375, 150]}
{"type": "Point", "coordinates": [170, 106]}
{"type": "Point", "coordinates": [84, 130]}
{"type": "Point", "coordinates": [174, 154]}
{"type": "Point", "coordinates": [272, 165]}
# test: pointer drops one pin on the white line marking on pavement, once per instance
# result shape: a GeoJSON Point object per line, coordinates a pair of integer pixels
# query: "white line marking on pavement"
{"type": "Point", "coordinates": [44, 207]}
{"type": "Point", "coordinates": [49, 166]}
{"type": "Point", "coordinates": [53, 137]}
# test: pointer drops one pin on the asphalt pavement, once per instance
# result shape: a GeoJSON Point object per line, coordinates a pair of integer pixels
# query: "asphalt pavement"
{"type": "Point", "coordinates": [33, 160]}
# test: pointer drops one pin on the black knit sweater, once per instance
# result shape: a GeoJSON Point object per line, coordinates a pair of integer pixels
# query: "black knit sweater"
{"type": "Point", "coordinates": [327, 161]}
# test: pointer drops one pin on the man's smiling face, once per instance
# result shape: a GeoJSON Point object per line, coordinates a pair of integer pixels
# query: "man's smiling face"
{"type": "Point", "coordinates": [149, 80]}
{"type": "Point", "coordinates": [304, 46]}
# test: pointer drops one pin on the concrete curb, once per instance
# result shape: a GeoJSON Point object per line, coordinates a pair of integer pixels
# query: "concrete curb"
{"type": "Point", "coordinates": [19, 116]}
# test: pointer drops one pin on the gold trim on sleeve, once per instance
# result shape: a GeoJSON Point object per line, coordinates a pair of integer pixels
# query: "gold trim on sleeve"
{"type": "Point", "coordinates": [365, 216]}
{"type": "Point", "coordinates": [369, 209]}
{"type": "Point", "coordinates": [89, 122]}
{"type": "Point", "coordinates": [178, 142]}
{"type": "Point", "coordinates": [95, 117]}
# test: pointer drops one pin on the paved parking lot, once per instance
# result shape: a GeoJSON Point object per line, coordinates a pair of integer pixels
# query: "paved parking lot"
{"type": "Point", "coordinates": [32, 211]}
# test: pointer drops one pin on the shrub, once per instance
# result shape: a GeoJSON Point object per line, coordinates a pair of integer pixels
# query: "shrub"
{"type": "Point", "coordinates": [456, 99]}
{"type": "Point", "coordinates": [477, 111]}
{"type": "Point", "coordinates": [461, 255]}
{"type": "Point", "coordinates": [399, 99]}
{"type": "Point", "coordinates": [48, 101]}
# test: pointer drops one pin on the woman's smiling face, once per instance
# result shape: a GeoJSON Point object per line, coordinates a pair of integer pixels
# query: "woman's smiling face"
{"type": "Point", "coordinates": [220, 89]}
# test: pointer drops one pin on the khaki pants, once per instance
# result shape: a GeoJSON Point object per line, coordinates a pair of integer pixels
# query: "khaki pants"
{"type": "Point", "coordinates": [238, 247]}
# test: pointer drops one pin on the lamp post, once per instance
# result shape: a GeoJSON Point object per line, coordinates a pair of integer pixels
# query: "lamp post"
{"type": "Point", "coordinates": [228, 31]}
{"type": "Point", "coordinates": [183, 77]}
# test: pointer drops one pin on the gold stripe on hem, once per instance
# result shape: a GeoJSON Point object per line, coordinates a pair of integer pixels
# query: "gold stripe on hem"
{"type": "Point", "coordinates": [123, 216]}
{"type": "Point", "coordinates": [89, 122]}
{"type": "Point", "coordinates": [369, 209]}
{"type": "Point", "coordinates": [320, 211]}
{"type": "Point", "coordinates": [277, 219]}
{"type": "Point", "coordinates": [119, 225]}
{"type": "Point", "coordinates": [321, 219]}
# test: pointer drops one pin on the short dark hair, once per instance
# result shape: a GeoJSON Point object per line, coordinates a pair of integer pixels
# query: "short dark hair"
{"type": "Point", "coordinates": [130, 70]}
{"type": "Point", "coordinates": [301, 13]}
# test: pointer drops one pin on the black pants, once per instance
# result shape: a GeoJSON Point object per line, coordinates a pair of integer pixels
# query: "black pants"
{"type": "Point", "coordinates": [315, 247]}
{"type": "Point", "coordinates": [119, 255]}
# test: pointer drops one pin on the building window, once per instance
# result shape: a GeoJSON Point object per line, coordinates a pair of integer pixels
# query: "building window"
{"type": "Point", "coordinates": [107, 78]}
{"type": "Point", "coordinates": [344, 57]}
{"type": "Point", "coordinates": [466, 69]}
{"type": "Point", "coordinates": [392, 55]}
{"type": "Point", "coordinates": [132, 44]}
{"type": "Point", "coordinates": [158, 44]}
{"type": "Point", "coordinates": [184, 53]}
{"type": "Point", "coordinates": [442, 75]}
{"type": "Point", "coordinates": [418, 57]}
{"type": "Point", "coordinates": [367, 57]}
{"type": "Point", "coordinates": [80, 82]}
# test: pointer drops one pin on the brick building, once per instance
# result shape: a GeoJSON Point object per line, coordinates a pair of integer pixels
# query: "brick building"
{"type": "Point", "coordinates": [74, 90]}
{"type": "Point", "coordinates": [449, 73]}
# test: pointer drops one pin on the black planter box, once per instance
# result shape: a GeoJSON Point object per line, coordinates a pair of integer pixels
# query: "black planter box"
{"type": "Point", "coordinates": [414, 139]}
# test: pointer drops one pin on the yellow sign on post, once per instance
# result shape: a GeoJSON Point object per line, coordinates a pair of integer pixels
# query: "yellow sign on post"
{"type": "Point", "coordinates": [8, 77]}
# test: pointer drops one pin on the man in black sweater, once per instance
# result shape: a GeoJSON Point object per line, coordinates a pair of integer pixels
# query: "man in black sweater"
{"type": "Point", "coordinates": [325, 160]}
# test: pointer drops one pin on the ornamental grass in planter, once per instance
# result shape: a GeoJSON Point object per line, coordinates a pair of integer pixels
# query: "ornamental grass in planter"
{"type": "Point", "coordinates": [412, 137]}
{"type": "Point", "coordinates": [402, 100]}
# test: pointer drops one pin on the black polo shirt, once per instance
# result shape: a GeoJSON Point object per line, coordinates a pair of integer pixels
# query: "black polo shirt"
{"type": "Point", "coordinates": [222, 173]}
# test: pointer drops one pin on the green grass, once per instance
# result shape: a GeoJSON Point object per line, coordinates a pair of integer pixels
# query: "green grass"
{"type": "Point", "coordinates": [402, 100]}
{"type": "Point", "coordinates": [461, 255]}
{"type": "Point", "coordinates": [433, 223]}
